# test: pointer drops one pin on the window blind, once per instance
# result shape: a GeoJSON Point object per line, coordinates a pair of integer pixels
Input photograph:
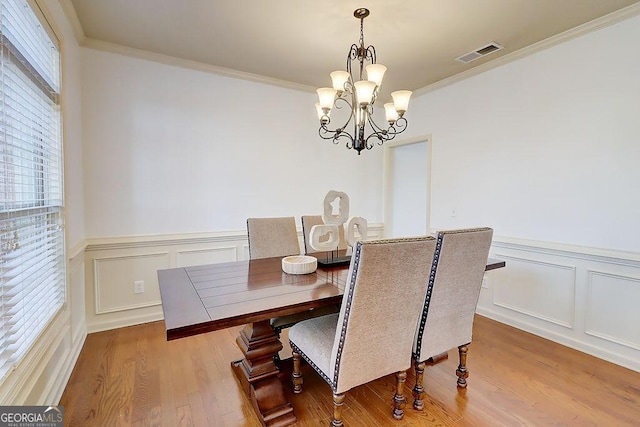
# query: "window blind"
{"type": "Point", "coordinates": [32, 268]}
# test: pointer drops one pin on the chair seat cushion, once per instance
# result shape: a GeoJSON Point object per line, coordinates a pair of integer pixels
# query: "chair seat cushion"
{"type": "Point", "coordinates": [314, 339]}
{"type": "Point", "coordinates": [283, 322]}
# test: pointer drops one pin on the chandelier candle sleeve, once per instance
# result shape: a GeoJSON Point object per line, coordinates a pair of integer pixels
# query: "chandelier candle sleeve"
{"type": "Point", "coordinates": [353, 98]}
{"type": "Point", "coordinates": [324, 118]}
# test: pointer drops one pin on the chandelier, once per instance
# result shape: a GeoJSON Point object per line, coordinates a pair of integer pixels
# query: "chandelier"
{"type": "Point", "coordinates": [359, 97]}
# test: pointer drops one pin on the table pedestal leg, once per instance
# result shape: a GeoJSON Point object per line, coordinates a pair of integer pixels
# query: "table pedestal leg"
{"type": "Point", "coordinates": [258, 374]}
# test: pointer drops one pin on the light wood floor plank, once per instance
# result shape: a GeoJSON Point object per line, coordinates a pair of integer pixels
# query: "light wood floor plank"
{"type": "Point", "coordinates": [134, 377]}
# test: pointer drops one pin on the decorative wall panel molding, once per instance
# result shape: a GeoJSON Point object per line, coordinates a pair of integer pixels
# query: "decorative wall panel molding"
{"type": "Point", "coordinates": [540, 289]}
{"type": "Point", "coordinates": [112, 265]}
{"type": "Point", "coordinates": [115, 278]}
{"type": "Point", "coordinates": [613, 301]}
{"type": "Point", "coordinates": [584, 298]}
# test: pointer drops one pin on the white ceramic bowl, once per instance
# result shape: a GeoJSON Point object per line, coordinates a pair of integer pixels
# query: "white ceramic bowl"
{"type": "Point", "coordinates": [299, 264]}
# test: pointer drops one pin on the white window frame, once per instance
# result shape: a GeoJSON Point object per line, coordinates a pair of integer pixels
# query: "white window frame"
{"type": "Point", "coordinates": [32, 260]}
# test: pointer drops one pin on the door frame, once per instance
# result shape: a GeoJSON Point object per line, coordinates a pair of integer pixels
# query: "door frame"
{"type": "Point", "coordinates": [387, 174]}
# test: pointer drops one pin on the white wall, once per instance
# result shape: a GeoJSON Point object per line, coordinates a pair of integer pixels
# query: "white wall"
{"type": "Point", "coordinates": [172, 150]}
{"type": "Point", "coordinates": [544, 148]}
{"type": "Point", "coordinates": [546, 151]}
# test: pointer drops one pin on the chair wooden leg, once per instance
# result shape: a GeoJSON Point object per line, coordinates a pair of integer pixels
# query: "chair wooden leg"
{"type": "Point", "coordinates": [418, 389]}
{"type": "Point", "coordinates": [462, 372]}
{"type": "Point", "coordinates": [296, 375]}
{"type": "Point", "coordinates": [338, 402]}
{"type": "Point", "coordinates": [399, 400]}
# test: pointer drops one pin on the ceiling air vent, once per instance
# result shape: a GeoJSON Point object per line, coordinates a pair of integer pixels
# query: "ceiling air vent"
{"type": "Point", "coordinates": [479, 53]}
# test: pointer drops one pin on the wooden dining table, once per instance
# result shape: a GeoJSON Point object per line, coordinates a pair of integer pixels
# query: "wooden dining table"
{"type": "Point", "coordinates": [206, 298]}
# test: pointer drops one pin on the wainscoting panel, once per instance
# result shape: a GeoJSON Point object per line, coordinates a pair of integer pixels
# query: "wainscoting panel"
{"type": "Point", "coordinates": [112, 265]}
{"type": "Point", "coordinates": [584, 298]}
{"type": "Point", "coordinates": [527, 285]}
{"type": "Point", "coordinates": [613, 301]}
{"type": "Point", "coordinates": [115, 278]}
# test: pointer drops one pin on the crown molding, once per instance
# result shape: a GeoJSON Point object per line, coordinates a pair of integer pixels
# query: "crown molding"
{"type": "Point", "coordinates": [72, 17]}
{"type": "Point", "coordinates": [589, 27]}
{"type": "Point", "coordinates": [192, 65]}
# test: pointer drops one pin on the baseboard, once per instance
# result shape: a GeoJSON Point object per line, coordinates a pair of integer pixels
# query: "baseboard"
{"type": "Point", "coordinates": [54, 394]}
{"type": "Point", "coordinates": [123, 322]}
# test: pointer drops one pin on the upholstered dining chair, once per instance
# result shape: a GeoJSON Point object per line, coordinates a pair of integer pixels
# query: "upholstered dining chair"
{"type": "Point", "coordinates": [278, 237]}
{"type": "Point", "coordinates": [272, 237]}
{"type": "Point", "coordinates": [309, 221]}
{"type": "Point", "coordinates": [450, 303]}
{"type": "Point", "coordinates": [372, 335]}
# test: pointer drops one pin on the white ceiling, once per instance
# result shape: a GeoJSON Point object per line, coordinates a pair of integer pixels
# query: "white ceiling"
{"type": "Point", "coordinates": [302, 41]}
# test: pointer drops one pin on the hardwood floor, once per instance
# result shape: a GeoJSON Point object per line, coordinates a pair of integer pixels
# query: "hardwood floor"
{"type": "Point", "coordinates": [134, 377]}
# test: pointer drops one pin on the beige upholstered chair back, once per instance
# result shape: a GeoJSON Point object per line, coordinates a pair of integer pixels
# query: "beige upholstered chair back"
{"type": "Point", "coordinates": [453, 290]}
{"type": "Point", "coordinates": [309, 221]}
{"type": "Point", "coordinates": [272, 237]}
{"type": "Point", "coordinates": [383, 300]}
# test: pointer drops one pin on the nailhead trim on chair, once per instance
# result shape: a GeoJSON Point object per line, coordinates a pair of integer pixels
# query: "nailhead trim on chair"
{"type": "Point", "coordinates": [427, 299]}
{"type": "Point", "coordinates": [313, 365]}
{"type": "Point", "coordinates": [432, 278]}
{"type": "Point", "coordinates": [343, 332]}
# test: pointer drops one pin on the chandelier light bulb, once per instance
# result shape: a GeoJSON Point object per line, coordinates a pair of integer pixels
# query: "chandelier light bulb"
{"type": "Point", "coordinates": [401, 100]}
{"type": "Point", "coordinates": [375, 73]}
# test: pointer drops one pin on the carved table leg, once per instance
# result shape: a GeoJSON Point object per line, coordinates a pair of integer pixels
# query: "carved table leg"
{"type": "Point", "coordinates": [258, 374]}
{"type": "Point", "coordinates": [462, 372]}
{"type": "Point", "coordinates": [418, 389]}
{"type": "Point", "coordinates": [398, 400]}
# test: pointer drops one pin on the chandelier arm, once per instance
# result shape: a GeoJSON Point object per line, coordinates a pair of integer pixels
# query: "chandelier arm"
{"type": "Point", "coordinates": [382, 137]}
{"type": "Point", "coordinates": [398, 127]}
{"type": "Point", "coordinates": [325, 132]}
{"type": "Point", "coordinates": [335, 135]}
{"type": "Point", "coordinates": [370, 53]}
{"type": "Point", "coordinates": [350, 140]}
{"type": "Point", "coordinates": [375, 127]}
{"type": "Point", "coordinates": [352, 56]}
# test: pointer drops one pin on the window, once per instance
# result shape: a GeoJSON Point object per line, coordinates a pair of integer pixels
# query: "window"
{"type": "Point", "coordinates": [32, 268]}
